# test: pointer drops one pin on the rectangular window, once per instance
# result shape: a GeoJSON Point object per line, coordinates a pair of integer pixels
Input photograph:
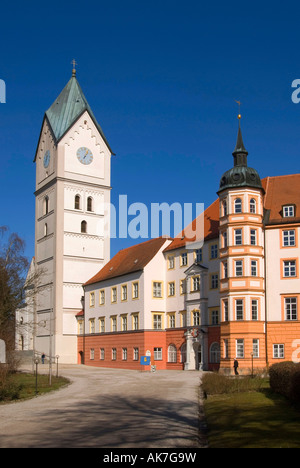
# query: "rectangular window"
{"type": "Point", "coordinates": [288, 211]}
{"type": "Point", "coordinates": [92, 325]}
{"type": "Point", "coordinates": [171, 287]}
{"type": "Point", "coordinates": [113, 294]}
{"type": "Point", "coordinates": [198, 255]}
{"type": "Point", "coordinates": [157, 289]}
{"type": "Point", "coordinates": [135, 354]}
{"type": "Point", "coordinates": [215, 317]}
{"type": "Point", "coordinates": [225, 305]}
{"type": "Point", "coordinates": [102, 325]}
{"type": "Point", "coordinates": [183, 259]}
{"type": "Point", "coordinates": [278, 351]}
{"type": "Point", "coordinates": [114, 354]}
{"type": "Point", "coordinates": [102, 297]}
{"type": "Point", "coordinates": [171, 262]}
{"type": "Point", "coordinates": [289, 268]}
{"type": "Point", "coordinates": [135, 290]}
{"type": "Point", "coordinates": [253, 267]}
{"type": "Point", "coordinates": [289, 238]}
{"type": "Point", "coordinates": [92, 299]}
{"type": "Point", "coordinates": [226, 349]}
{"type": "Point", "coordinates": [253, 240]}
{"type": "Point", "coordinates": [225, 242]}
{"type": "Point", "coordinates": [214, 251]}
{"type": "Point", "coordinates": [196, 317]}
{"type": "Point", "coordinates": [214, 281]}
{"type": "Point", "coordinates": [225, 270]}
{"type": "Point", "coordinates": [171, 320]}
{"type": "Point", "coordinates": [124, 354]}
{"type": "Point", "coordinates": [157, 354]}
{"type": "Point", "coordinates": [255, 347]}
{"type": "Point", "coordinates": [124, 292]}
{"type": "Point", "coordinates": [196, 283]}
{"type": "Point", "coordinates": [114, 324]}
{"type": "Point", "coordinates": [102, 354]}
{"type": "Point", "coordinates": [124, 322]}
{"type": "Point", "coordinates": [239, 309]}
{"type": "Point", "coordinates": [240, 348]}
{"type": "Point", "coordinates": [157, 322]}
{"type": "Point", "coordinates": [290, 305]}
{"type": "Point", "coordinates": [254, 309]}
{"type": "Point", "coordinates": [238, 237]}
{"type": "Point", "coordinates": [239, 268]}
{"type": "Point", "coordinates": [92, 354]}
{"type": "Point", "coordinates": [136, 321]}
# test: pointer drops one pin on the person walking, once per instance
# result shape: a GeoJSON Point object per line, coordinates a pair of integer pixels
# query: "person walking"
{"type": "Point", "coordinates": [43, 358]}
{"type": "Point", "coordinates": [236, 365]}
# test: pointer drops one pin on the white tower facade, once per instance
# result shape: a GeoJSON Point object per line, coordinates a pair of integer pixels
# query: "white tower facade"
{"type": "Point", "coordinates": [72, 221]}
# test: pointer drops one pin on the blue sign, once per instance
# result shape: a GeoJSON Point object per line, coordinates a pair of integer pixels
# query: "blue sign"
{"type": "Point", "coordinates": [145, 360]}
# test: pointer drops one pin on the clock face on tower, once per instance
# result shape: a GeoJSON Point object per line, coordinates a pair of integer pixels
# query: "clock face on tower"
{"type": "Point", "coordinates": [84, 155]}
{"type": "Point", "coordinates": [47, 159]}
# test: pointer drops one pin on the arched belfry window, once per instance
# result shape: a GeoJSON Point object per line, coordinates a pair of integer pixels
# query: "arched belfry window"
{"type": "Point", "coordinates": [83, 226]}
{"type": "Point", "coordinates": [46, 205]}
{"type": "Point", "coordinates": [89, 205]}
{"type": "Point", "coordinates": [238, 205]}
{"type": "Point", "coordinates": [77, 202]}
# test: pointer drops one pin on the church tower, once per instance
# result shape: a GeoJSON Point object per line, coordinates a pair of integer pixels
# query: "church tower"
{"type": "Point", "coordinates": [242, 292]}
{"type": "Point", "coordinates": [72, 220]}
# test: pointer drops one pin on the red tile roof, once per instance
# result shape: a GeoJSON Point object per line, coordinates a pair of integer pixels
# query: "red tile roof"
{"type": "Point", "coordinates": [129, 260]}
{"type": "Point", "coordinates": [280, 191]}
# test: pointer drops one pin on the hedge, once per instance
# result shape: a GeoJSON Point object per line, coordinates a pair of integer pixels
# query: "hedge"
{"type": "Point", "coordinates": [285, 379]}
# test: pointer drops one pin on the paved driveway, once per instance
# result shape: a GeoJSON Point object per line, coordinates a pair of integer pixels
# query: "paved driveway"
{"type": "Point", "coordinates": [108, 408]}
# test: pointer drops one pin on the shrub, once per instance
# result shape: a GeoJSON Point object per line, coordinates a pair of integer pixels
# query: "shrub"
{"type": "Point", "coordinates": [285, 379]}
{"type": "Point", "coordinates": [214, 384]}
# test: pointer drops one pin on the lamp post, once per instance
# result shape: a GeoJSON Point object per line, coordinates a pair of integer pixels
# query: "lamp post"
{"type": "Point", "coordinates": [36, 376]}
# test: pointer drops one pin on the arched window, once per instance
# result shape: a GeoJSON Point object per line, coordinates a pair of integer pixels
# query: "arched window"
{"type": "Point", "coordinates": [89, 204]}
{"type": "Point", "coordinates": [237, 205]}
{"type": "Point", "coordinates": [172, 353]}
{"type": "Point", "coordinates": [46, 205]}
{"type": "Point", "coordinates": [215, 353]}
{"type": "Point", "coordinates": [83, 226]}
{"type": "Point", "coordinates": [77, 202]}
{"type": "Point", "coordinates": [252, 205]}
{"type": "Point", "coordinates": [183, 353]}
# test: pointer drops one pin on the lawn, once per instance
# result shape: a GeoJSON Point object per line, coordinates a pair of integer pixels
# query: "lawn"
{"type": "Point", "coordinates": [21, 386]}
{"type": "Point", "coordinates": [256, 419]}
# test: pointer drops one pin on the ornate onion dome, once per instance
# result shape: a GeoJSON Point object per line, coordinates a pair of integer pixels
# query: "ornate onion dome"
{"type": "Point", "coordinates": [240, 175]}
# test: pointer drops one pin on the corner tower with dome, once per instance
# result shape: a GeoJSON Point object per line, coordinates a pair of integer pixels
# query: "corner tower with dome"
{"type": "Point", "coordinates": [73, 165]}
{"type": "Point", "coordinates": [241, 236]}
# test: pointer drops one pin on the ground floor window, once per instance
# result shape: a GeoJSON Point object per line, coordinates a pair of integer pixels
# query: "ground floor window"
{"type": "Point", "coordinates": [135, 354]}
{"type": "Point", "coordinates": [240, 348]}
{"type": "Point", "coordinates": [278, 351]}
{"type": "Point", "coordinates": [114, 354]}
{"type": "Point", "coordinates": [158, 354]}
{"type": "Point", "coordinates": [172, 353]}
{"type": "Point", "coordinates": [215, 353]}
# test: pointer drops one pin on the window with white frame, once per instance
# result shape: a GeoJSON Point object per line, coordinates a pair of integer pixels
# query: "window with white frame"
{"type": "Point", "coordinates": [136, 321]}
{"type": "Point", "coordinates": [289, 238]}
{"type": "Point", "coordinates": [196, 283]}
{"type": "Point", "coordinates": [215, 317]}
{"type": "Point", "coordinates": [255, 348]}
{"type": "Point", "coordinates": [198, 255]}
{"type": "Point", "coordinates": [124, 354]}
{"type": "Point", "coordinates": [214, 251]}
{"type": "Point", "coordinates": [253, 267]}
{"type": "Point", "coordinates": [124, 322]}
{"type": "Point", "coordinates": [114, 294]}
{"type": "Point", "coordinates": [135, 354]}
{"type": "Point", "coordinates": [171, 262]}
{"type": "Point", "coordinates": [239, 309]}
{"type": "Point", "coordinates": [239, 348]}
{"type": "Point", "coordinates": [172, 320]}
{"type": "Point", "coordinates": [238, 237]}
{"type": "Point", "coordinates": [172, 353]}
{"type": "Point", "coordinates": [226, 348]}
{"type": "Point", "coordinates": [102, 297]}
{"type": "Point", "coordinates": [225, 309]}
{"type": "Point", "coordinates": [183, 259]}
{"type": "Point", "coordinates": [288, 211]}
{"type": "Point", "coordinates": [290, 305]}
{"type": "Point", "coordinates": [278, 351]}
{"type": "Point", "coordinates": [102, 325]}
{"type": "Point", "coordinates": [124, 292]}
{"type": "Point", "coordinates": [135, 290]}
{"type": "Point", "coordinates": [157, 289]}
{"type": "Point", "coordinates": [253, 237]}
{"type": "Point", "coordinates": [92, 325]}
{"type": "Point", "coordinates": [289, 268]}
{"type": "Point", "coordinates": [196, 317]}
{"type": "Point", "coordinates": [239, 268]}
{"type": "Point", "coordinates": [157, 321]}
{"type": "Point", "coordinates": [157, 354]}
{"type": "Point", "coordinates": [254, 309]}
{"type": "Point", "coordinates": [92, 299]}
{"type": "Point", "coordinates": [102, 354]}
{"type": "Point", "coordinates": [237, 205]}
{"type": "Point", "coordinates": [114, 354]}
{"type": "Point", "coordinates": [114, 324]}
{"type": "Point", "coordinates": [214, 281]}
{"type": "Point", "coordinates": [252, 205]}
{"type": "Point", "coordinates": [171, 287]}
{"type": "Point", "coordinates": [92, 354]}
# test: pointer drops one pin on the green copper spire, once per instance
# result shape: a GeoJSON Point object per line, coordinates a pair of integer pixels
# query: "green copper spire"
{"type": "Point", "coordinates": [240, 153]}
{"type": "Point", "coordinates": [68, 107]}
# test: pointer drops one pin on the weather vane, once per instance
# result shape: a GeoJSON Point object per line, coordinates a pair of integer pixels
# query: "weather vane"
{"type": "Point", "coordinates": [239, 103]}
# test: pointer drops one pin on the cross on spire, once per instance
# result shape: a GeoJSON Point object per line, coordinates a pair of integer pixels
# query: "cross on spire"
{"type": "Point", "coordinates": [74, 63]}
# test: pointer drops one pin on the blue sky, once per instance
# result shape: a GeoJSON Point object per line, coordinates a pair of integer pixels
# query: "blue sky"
{"type": "Point", "coordinates": [162, 78]}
